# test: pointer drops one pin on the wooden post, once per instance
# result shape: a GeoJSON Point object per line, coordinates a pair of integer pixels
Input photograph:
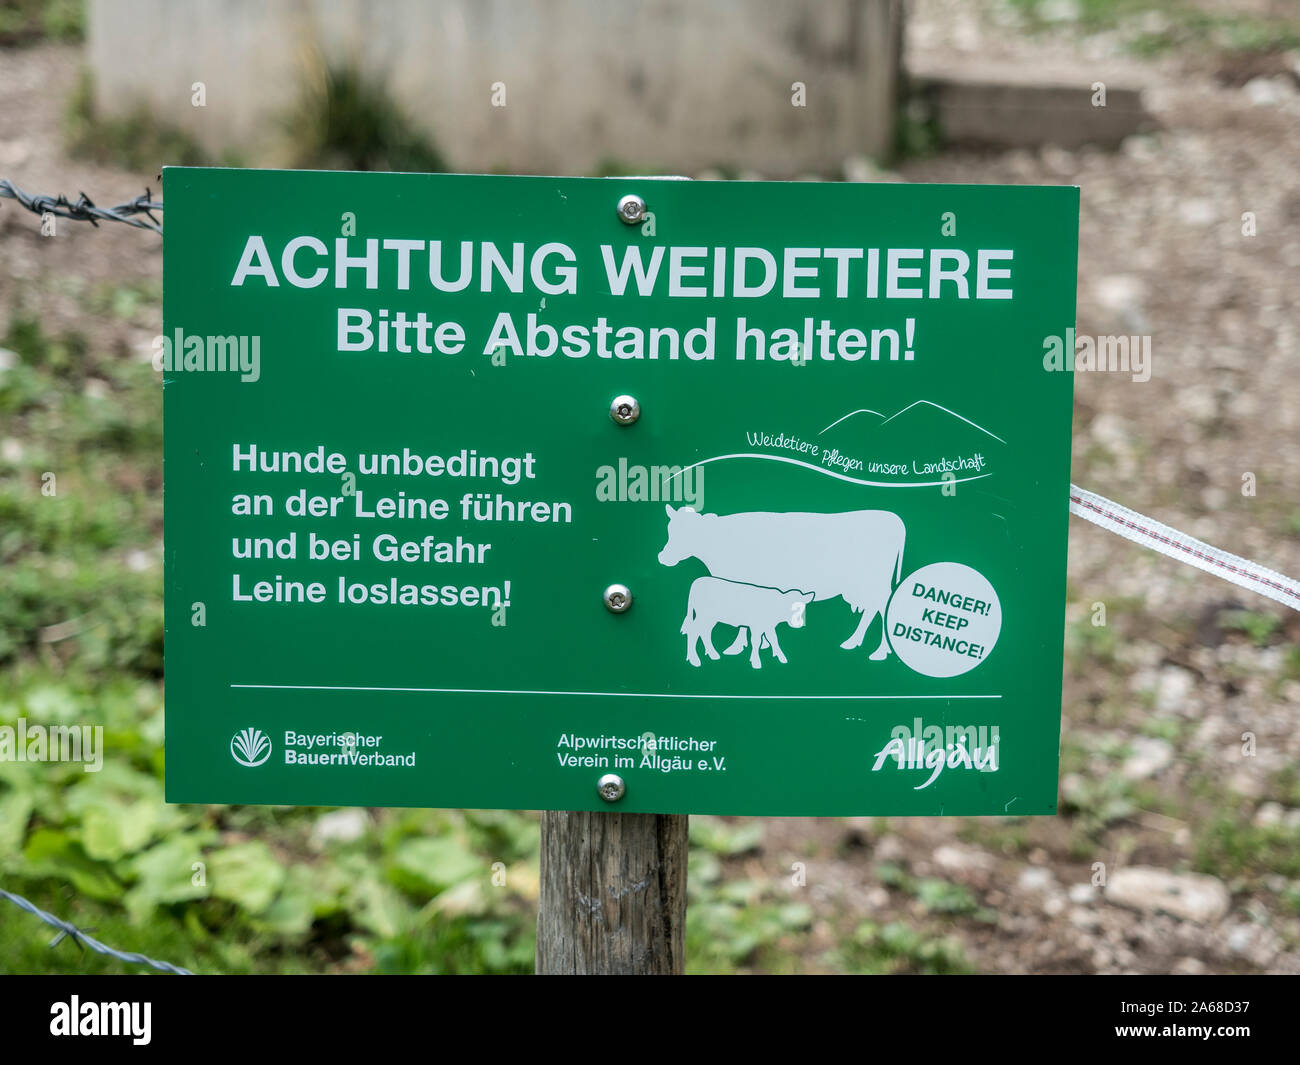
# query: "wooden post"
{"type": "Point", "coordinates": [613, 893]}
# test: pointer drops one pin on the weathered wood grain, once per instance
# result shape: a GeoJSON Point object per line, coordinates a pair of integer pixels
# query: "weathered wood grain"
{"type": "Point", "coordinates": [613, 893]}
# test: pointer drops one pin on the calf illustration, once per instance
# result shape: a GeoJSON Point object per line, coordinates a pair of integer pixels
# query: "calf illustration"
{"type": "Point", "coordinates": [856, 555]}
{"type": "Point", "coordinates": [760, 610]}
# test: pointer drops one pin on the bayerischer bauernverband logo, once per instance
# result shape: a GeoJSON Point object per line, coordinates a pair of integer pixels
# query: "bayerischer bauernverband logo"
{"type": "Point", "coordinates": [251, 747]}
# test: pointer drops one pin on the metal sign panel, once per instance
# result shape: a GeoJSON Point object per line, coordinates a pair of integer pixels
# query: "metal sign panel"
{"type": "Point", "coordinates": [741, 498]}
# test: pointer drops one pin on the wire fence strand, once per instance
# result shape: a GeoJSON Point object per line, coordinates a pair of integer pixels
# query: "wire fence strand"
{"type": "Point", "coordinates": [83, 209]}
{"type": "Point", "coordinates": [66, 928]}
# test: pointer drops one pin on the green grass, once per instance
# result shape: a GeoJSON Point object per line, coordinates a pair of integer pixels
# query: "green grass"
{"type": "Point", "coordinates": [341, 121]}
{"type": "Point", "coordinates": [1178, 24]}
{"type": "Point", "coordinates": [935, 895]}
{"type": "Point", "coordinates": [136, 141]}
{"type": "Point", "coordinates": [71, 510]}
{"type": "Point", "coordinates": [1099, 802]}
{"type": "Point", "coordinates": [1291, 664]}
{"type": "Point", "coordinates": [1229, 848]}
{"type": "Point", "coordinates": [896, 947]}
{"type": "Point", "coordinates": [1259, 627]}
{"type": "Point", "coordinates": [738, 925]}
{"type": "Point", "coordinates": [1006, 836]}
{"type": "Point", "coordinates": [1090, 647]}
{"type": "Point", "coordinates": [344, 121]}
{"type": "Point", "coordinates": [26, 22]}
{"type": "Point", "coordinates": [1285, 787]}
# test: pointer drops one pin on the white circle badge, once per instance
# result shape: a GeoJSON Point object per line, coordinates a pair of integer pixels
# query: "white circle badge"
{"type": "Point", "coordinates": [944, 619]}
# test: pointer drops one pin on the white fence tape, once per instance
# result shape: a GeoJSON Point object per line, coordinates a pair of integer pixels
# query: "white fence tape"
{"type": "Point", "coordinates": [1150, 533]}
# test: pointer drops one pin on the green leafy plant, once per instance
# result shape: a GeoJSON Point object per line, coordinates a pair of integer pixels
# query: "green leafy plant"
{"type": "Point", "coordinates": [345, 121]}
{"type": "Point", "coordinates": [899, 948]}
{"type": "Point", "coordinates": [1258, 626]}
{"type": "Point", "coordinates": [136, 141]}
{"type": "Point", "coordinates": [24, 22]}
{"type": "Point", "coordinates": [934, 894]}
{"type": "Point", "coordinates": [1228, 848]}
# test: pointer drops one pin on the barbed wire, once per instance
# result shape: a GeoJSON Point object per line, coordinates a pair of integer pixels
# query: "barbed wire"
{"type": "Point", "coordinates": [84, 209]}
{"type": "Point", "coordinates": [82, 939]}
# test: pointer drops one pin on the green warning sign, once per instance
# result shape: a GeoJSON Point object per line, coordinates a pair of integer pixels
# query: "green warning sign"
{"type": "Point", "coordinates": [639, 494]}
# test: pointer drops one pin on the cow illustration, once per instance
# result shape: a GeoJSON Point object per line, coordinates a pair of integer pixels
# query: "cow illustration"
{"type": "Point", "coordinates": [856, 555]}
{"type": "Point", "coordinates": [746, 606]}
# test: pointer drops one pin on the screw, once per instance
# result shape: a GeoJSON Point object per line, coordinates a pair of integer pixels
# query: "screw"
{"type": "Point", "coordinates": [625, 410]}
{"type": "Point", "coordinates": [631, 209]}
{"type": "Point", "coordinates": [610, 787]}
{"type": "Point", "coordinates": [618, 597]}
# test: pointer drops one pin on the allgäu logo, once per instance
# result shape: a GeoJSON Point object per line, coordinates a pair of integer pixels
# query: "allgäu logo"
{"type": "Point", "coordinates": [250, 747]}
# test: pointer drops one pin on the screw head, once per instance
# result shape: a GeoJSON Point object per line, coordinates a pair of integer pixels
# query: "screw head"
{"type": "Point", "coordinates": [625, 410]}
{"type": "Point", "coordinates": [618, 597]}
{"type": "Point", "coordinates": [610, 787]}
{"type": "Point", "coordinates": [631, 209]}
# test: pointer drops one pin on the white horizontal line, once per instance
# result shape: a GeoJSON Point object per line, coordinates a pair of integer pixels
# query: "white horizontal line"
{"type": "Point", "coordinates": [625, 695]}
